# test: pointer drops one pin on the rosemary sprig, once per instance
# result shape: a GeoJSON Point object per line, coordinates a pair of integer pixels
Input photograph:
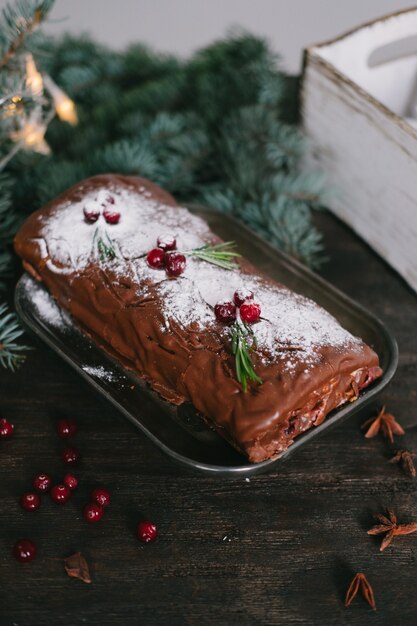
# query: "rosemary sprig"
{"type": "Point", "coordinates": [11, 356]}
{"type": "Point", "coordinates": [243, 342]}
{"type": "Point", "coordinates": [221, 254]}
{"type": "Point", "coordinates": [105, 246]}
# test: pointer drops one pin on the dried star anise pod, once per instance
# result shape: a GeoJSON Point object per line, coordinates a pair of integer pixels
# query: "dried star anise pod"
{"type": "Point", "coordinates": [360, 581]}
{"type": "Point", "coordinates": [388, 524]}
{"type": "Point", "coordinates": [384, 422]}
{"type": "Point", "coordinates": [76, 567]}
{"type": "Point", "coordinates": [405, 457]}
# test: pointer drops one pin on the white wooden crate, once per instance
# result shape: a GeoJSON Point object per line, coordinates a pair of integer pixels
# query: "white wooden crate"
{"type": "Point", "coordinates": [358, 94]}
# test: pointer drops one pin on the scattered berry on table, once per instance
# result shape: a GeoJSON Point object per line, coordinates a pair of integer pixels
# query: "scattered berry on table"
{"type": "Point", "coordinates": [101, 496]}
{"type": "Point", "coordinates": [66, 428]}
{"type": "Point", "coordinates": [6, 429]}
{"type": "Point", "coordinates": [24, 550]}
{"type": "Point", "coordinates": [60, 494]}
{"type": "Point", "coordinates": [30, 501]}
{"type": "Point", "coordinates": [146, 531]}
{"type": "Point", "coordinates": [93, 512]}
{"type": "Point", "coordinates": [70, 481]}
{"type": "Point", "coordinates": [42, 482]}
{"type": "Point", "coordinates": [70, 456]}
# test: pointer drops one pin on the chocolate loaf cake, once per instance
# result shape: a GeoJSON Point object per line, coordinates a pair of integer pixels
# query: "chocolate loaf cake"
{"type": "Point", "coordinates": [157, 290]}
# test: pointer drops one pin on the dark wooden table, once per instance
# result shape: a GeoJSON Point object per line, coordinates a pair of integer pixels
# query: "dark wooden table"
{"type": "Point", "coordinates": [280, 549]}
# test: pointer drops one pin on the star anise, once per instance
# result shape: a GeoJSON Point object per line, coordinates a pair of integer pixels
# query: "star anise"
{"type": "Point", "coordinates": [360, 581]}
{"type": "Point", "coordinates": [405, 457]}
{"type": "Point", "coordinates": [384, 422]}
{"type": "Point", "coordinates": [388, 524]}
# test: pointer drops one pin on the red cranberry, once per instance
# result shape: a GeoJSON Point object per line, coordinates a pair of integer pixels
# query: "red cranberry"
{"type": "Point", "coordinates": [250, 312]}
{"type": "Point", "coordinates": [42, 482]}
{"type": "Point", "coordinates": [101, 496]}
{"type": "Point", "coordinates": [30, 501]}
{"type": "Point", "coordinates": [60, 494]}
{"type": "Point", "coordinates": [111, 216]}
{"type": "Point", "coordinates": [104, 198]}
{"type": "Point", "coordinates": [225, 312]}
{"type": "Point", "coordinates": [241, 295]}
{"type": "Point", "coordinates": [156, 258]}
{"type": "Point", "coordinates": [24, 551]}
{"type": "Point", "coordinates": [6, 429]}
{"type": "Point", "coordinates": [166, 242]}
{"type": "Point", "coordinates": [175, 263]}
{"type": "Point", "coordinates": [71, 481]}
{"type": "Point", "coordinates": [146, 532]}
{"type": "Point", "coordinates": [70, 456]}
{"type": "Point", "coordinates": [93, 512]}
{"type": "Point", "coordinates": [91, 212]}
{"type": "Point", "coordinates": [66, 428]}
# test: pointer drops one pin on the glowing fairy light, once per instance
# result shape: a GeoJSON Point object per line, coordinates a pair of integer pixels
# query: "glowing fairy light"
{"type": "Point", "coordinates": [64, 106]}
{"type": "Point", "coordinates": [34, 81]}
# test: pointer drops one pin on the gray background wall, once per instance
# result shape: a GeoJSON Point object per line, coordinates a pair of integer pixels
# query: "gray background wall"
{"type": "Point", "coordinates": [181, 26]}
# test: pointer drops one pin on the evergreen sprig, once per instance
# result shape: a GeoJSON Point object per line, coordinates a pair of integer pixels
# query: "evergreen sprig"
{"type": "Point", "coordinates": [11, 353]}
{"type": "Point", "coordinates": [243, 342]}
{"type": "Point", "coordinates": [221, 254]}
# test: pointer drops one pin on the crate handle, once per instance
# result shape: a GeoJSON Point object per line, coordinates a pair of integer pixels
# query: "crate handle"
{"type": "Point", "coordinates": [399, 49]}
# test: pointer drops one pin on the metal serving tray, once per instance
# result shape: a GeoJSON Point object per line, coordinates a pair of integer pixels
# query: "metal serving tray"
{"type": "Point", "coordinates": [179, 431]}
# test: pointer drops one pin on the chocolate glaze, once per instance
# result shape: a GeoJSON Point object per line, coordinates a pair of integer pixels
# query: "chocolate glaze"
{"type": "Point", "coordinates": [122, 313]}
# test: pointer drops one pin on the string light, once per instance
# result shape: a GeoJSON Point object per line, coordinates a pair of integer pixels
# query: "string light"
{"type": "Point", "coordinates": [32, 136]}
{"type": "Point", "coordinates": [34, 81]}
{"type": "Point", "coordinates": [64, 106]}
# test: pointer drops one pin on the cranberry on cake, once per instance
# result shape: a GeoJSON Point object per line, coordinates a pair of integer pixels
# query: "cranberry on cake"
{"type": "Point", "coordinates": [158, 291]}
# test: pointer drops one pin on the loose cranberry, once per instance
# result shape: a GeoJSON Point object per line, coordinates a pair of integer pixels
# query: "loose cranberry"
{"type": "Point", "coordinates": [250, 312]}
{"type": "Point", "coordinates": [66, 428]}
{"type": "Point", "coordinates": [225, 312]}
{"type": "Point", "coordinates": [146, 532]}
{"type": "Point", "coordinates": [156, 258]}
{"type": "Point", "coordinates": [93, 512]}
{"type": "Point", "coordinates": [60, 494]}
{"type": "Point", "coordinates": [6, 429]}
{"type": "Point", "coordinates": [166, 242]}
{"type": "Point", "coordinates": [71, 481]}
{"type": "Point", "coordinates": [24, 551]}
{"type": "Point", "coordinates": [30, 501]}
{"type": "Point", "coordinates": [241, 295]}
{"type": "Point", "coordinates": [111, 216]}
{"type": "Point", "coordinates": [70, 456]}
{"type": "Point", "coordinates": [91, 212]}
{"type": "Point", "coordinates": [175, 263]}
{"type": "Point", "coordinates": [101, 496]}
{"type": "Point", "coordinates": [42, 482]}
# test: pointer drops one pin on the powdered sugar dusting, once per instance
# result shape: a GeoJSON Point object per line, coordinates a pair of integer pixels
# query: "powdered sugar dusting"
{"type": "Point", "coordinates": [46, 307]}
{"type": "Point", "coordinates": [291, 328]}
{"type": "Point", "coordinates": [99, 372]}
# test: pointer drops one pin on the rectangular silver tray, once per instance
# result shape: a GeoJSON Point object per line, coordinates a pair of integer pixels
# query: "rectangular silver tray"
{"type": "Point", "coordinates": [179, 431]}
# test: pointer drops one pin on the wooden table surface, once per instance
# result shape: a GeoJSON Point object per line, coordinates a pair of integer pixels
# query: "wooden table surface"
{"type": "Point", "coordinates": [280, 549]}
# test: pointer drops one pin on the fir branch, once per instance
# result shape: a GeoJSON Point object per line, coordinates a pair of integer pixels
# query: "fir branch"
{"type": "Point", "coordinates": [19, 21]}
{"type": "Point", "coordinates": [243, 342]}
{"type": "Point", "coordinates": [11, 353]}
{"type": "Point", "coordinates": [221, 254]}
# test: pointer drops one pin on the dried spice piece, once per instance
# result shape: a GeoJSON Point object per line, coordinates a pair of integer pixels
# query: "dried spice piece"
{"type": "Point", "coordinates": [360, 581]}
{"type": "Point", "coordinates": [384, 422]}
{"type": "Point", "coordinates": [405, 457]}
{"type": "Point", "coordinates": [76, 567]}
{"type": "Point", "coordinates": [388, 524]}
